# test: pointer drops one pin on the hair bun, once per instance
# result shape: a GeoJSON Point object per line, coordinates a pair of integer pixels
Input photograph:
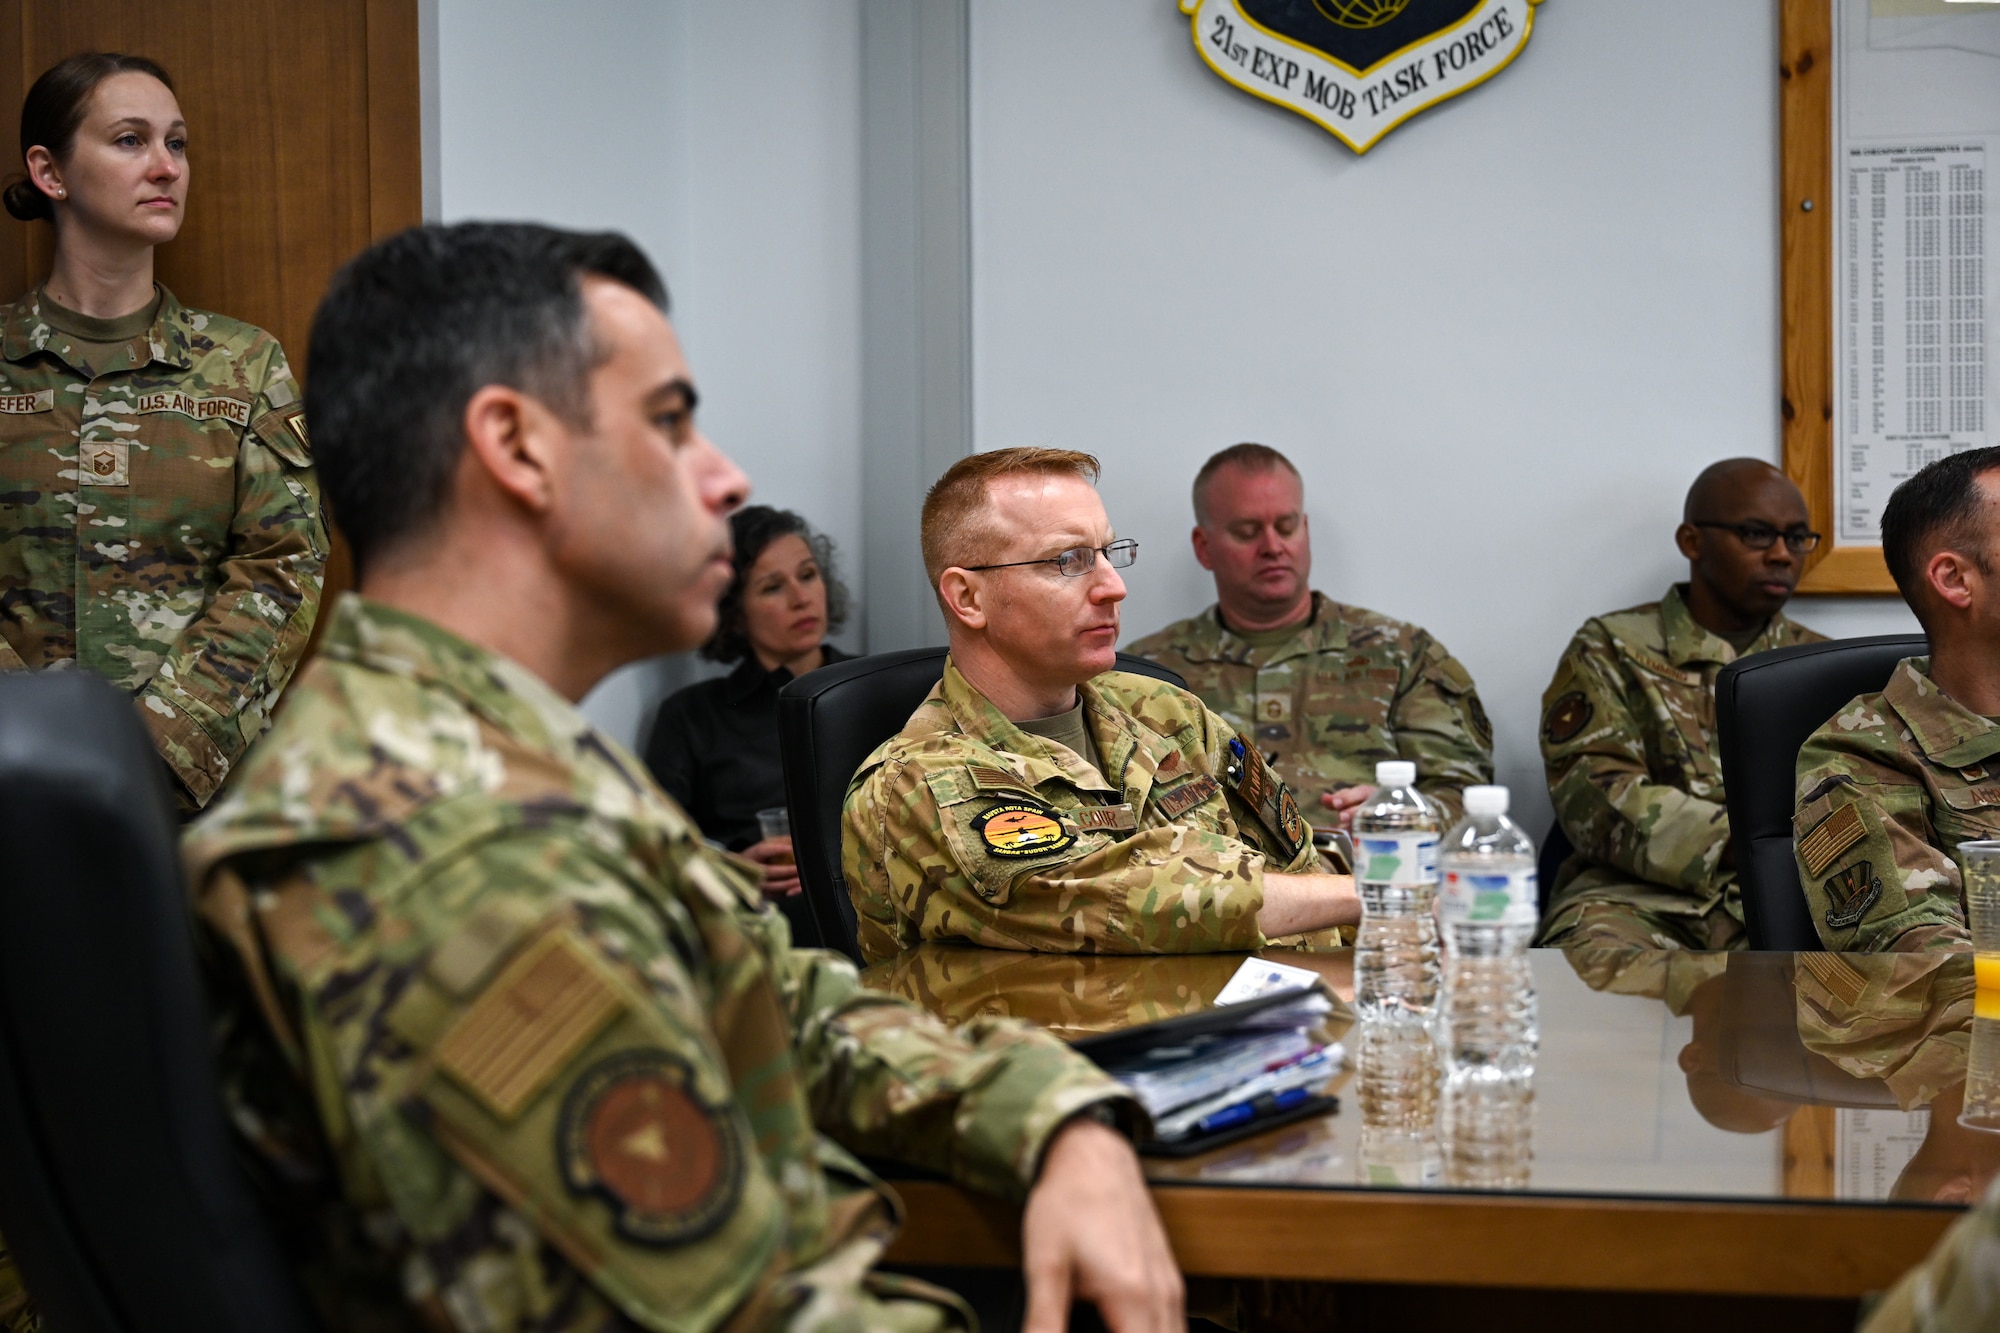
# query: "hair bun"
{"type": "Point", "coordinates": [26, 202]}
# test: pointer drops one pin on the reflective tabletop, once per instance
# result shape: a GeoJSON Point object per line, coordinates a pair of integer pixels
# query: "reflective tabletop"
{"type": "Point", "coordinates": [1660, 1075]}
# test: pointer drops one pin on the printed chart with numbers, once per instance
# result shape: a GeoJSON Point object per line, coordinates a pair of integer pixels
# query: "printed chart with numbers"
{"type": "Point", "coordinates": [1914, 233]}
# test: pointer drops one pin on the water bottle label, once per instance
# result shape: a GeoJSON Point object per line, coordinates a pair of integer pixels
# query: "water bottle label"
{"type": "Point", "coordinates": [1397, 858]}
{"type": "Point", "coordinates": [1505, 899]}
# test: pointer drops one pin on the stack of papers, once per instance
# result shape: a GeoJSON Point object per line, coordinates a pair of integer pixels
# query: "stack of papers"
{"type": "Point", "coordinates": [1252, 1058]}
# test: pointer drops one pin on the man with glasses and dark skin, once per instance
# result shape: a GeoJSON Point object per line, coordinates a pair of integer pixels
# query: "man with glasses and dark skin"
{"type": "Point", "coordinates": [1628, 724]}
{"type": "Point", "coordinates": [1040, 799]}
{"type": "Point", "coordinates": [1891, 783]}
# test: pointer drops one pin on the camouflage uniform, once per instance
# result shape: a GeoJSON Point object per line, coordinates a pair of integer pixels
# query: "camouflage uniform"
{"type": "Point", "coordinates": [964, 826]}
{"type": "Point", "coordinates": [1905, 1019]}
{"type": "Point", "coordinates": [1887, 788]}
{"type": "Point", "coordinates": [17, 1315]}
{"type": "Point", "coordinates": [1350, 689]}
{"type": "Point", "coordinates": [1957, 1287]}
{"type": "Point", "coordinates": [1671, 976]}
{"type": "Point", "coordinates": [1628, 741]}
{"type": "Point", "coordinates": [159, 524]}
{"type": "Point", "coordinates": [520, 1051]}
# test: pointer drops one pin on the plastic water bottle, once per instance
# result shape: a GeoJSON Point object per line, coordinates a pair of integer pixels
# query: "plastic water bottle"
{"type": "Point", "coordinates": [1398, 1075]}
{"type": "Point", "coordinates": [1396, 874]}
{"type": "Point", "coordinates": [1487, 904]}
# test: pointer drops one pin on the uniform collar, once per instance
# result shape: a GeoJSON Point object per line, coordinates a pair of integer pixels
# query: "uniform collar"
{"type": "Point", "coordinates": [509, 696]}
{"type": "Point", "coordinates": [23, 332]}
{"type": "Point", "coordinates": [1947, 731]}
{"type": "Point", "coordinates": [1034, 759]}
{"type": "Point", "coordinates": [1689, 644]}
{"type": "Point", "coordinates": [1323, 631]}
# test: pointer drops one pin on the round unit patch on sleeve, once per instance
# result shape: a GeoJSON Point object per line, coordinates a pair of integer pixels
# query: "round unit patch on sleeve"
{"type": "Point", "coordinates": [634, 1131]}
{"type": "Point", "coordinates": [1021, 829]}
{"type": "Point", "coordinates": [1567, 716]}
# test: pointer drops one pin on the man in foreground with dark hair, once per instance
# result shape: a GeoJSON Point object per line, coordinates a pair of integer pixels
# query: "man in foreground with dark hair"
{"type": "Point", "coordinates": [1894, 781]}
{"type": "Point", "coordinates": [1325, 690]}
{"type": "Point", "coordinates": [1628, 724]}
{"type": "Point", "coordinates": [517, 1049]}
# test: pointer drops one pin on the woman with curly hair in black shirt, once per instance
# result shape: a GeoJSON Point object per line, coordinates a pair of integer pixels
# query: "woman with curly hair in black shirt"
{"type": "Point", "coordinates": [714, 745]}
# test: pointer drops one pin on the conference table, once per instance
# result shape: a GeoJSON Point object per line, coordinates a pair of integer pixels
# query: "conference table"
{"type": "Point", "coordinates": [1780, 1125]}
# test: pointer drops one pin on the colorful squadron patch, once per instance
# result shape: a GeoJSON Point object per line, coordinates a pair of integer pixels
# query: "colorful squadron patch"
{"type": "Point", "coordinates": [1021, 829]}
{"type": "Point", "coordinates": [1567, 717]}
{"type": "Point", "coordinates": [634, 1132]}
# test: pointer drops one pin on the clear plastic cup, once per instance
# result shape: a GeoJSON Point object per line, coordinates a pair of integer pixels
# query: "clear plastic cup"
{"type": "Point", "coordinates": [1982, 1066]}
{"type": "Point", "coordinates": [1979, 863]}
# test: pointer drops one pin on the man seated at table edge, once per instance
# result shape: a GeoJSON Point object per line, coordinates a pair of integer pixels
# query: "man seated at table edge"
{"type": "Point", "coordinates": [1326, 690]}
{"type": "Point", "coordinates": [1893, 781]}
{"type": "Point", "coordinates": [512, 1044]}
{"type": "Point", "coordinates": [1038, 798]}
{"type": "Point", "coordinates": [1628, 724]}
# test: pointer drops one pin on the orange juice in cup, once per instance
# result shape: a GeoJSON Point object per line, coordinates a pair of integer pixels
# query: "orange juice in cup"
{"type": "Point", "coordinates": [1979, 862]}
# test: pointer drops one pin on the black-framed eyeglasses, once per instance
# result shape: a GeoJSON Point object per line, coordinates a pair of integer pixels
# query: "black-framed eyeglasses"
{"type": "Point", "coordinates": [1759, 536]}
{"type": "Point", "coordinates": [1078, 560]}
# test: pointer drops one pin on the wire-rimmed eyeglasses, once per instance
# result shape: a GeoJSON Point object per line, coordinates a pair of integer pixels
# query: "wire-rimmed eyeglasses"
{"type": "Point", "coordinates": [1078, 560]}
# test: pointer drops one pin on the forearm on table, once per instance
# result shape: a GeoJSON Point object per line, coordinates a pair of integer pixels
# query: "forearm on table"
{"type": "Point", "coordinates": [1294, 904]}
{"type": "Point", "coordinates": [1648, 830]}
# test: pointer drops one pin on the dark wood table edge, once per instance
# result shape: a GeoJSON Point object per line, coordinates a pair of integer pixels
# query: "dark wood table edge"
{"type": "Point", "coordinates": [1781, 1248]}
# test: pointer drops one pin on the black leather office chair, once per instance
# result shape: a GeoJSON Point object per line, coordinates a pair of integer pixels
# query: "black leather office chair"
{"type": "Point", "coordinates": [119, 1192]}
{"type": "Point", "coordinates": [828, 722]}
{"type": "Point", "coordinates": [1556, 849]}
{"type": "Point", "coordinates": [1765, 707]}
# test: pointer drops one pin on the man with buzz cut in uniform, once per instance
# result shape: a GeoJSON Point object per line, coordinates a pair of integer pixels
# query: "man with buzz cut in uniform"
{"type": "Point", "coordinates": [1893, 782]}
{"type": "Point", "coordinates": [513, 1047]}
{"type": "Point", "coordinates": [1325, 690]}
{"type": "Point", "coordinates": [1040, 799]}
{"type": "Point", "coordinates": [1628, 724]}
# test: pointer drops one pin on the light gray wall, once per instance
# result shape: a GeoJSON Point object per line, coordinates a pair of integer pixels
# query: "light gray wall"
{"type": "Point", "coordinates": [1499, 346]}
{"type": "Point", "coordinates": [739, 175]}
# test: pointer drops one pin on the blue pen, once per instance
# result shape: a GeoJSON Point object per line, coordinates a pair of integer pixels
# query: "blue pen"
{"type": "Point", "coordinates": [1269, 1104]}
{"type": "Point", "coordinates": [1227, 1116]}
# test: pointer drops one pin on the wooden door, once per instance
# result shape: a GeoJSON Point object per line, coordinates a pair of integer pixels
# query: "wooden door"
{"type": "Point", "coordinates": [303, 143]}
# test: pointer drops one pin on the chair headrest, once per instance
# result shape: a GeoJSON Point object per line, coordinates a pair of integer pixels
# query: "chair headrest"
{"type": "Point", "coordinates": [1767, 704]}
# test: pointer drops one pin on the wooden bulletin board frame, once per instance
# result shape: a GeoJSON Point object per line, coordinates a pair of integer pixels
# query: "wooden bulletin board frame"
{"type": "Point", "coordinates": [1806, 204]}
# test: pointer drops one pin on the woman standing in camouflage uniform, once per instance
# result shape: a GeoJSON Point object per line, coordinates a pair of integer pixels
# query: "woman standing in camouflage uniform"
{"type": "Point", "coordinates": [159, 518]}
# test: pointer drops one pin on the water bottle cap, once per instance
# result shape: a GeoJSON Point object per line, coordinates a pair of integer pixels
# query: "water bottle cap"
{"type": "Point", "coordinates": [1486, 802]}
{"type": "Point", "coordinates": [1395, 773]}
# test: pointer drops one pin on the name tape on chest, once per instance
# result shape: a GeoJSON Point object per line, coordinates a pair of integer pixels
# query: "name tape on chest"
{"type": "Point", "coordinates": [1177, 802]}
{"type": "Point", "coordinates": [18, 404]}
{"type": "Point", "coordinates": [195, 407]}
{"type": "Point", "coordinates": [1105, 818]}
